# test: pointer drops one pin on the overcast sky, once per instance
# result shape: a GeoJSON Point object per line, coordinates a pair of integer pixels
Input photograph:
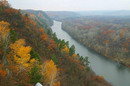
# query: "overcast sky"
{"type": "Point", "coordinates": [71, 5]}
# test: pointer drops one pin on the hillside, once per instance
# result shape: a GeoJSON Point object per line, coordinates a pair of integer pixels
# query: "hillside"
{"type": "Point", "coordinates": [39, 16]}
{"type": "Point", "coordinates": [31, 53]}
{"type": "Point", "coordinates": [107, 35]}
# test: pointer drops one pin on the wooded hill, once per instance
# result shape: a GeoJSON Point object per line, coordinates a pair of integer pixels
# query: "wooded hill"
{"type": "Point", "coordinates": [107, 35]}
{"type": "Point", "coordinates": [31, 53]}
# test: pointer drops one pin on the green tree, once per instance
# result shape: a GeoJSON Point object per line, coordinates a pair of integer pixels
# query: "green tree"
{"type": "Point", "coordinates": [72, 50]}
{"type": "Point", "coordinates": [34, 55]}
{"type": "Point", "coordinates": [35, 75]}
{"type": "Point", "coordinates": [55, 60]}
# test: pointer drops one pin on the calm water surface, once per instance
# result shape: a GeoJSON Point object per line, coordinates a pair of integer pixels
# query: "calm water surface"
{"type": "Point", "coordinates": [113, 72]}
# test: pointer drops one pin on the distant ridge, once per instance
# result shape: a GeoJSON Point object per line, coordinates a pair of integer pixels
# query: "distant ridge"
{"type": "Point", "coordinates": [105, 13]}
{"type": "Point", "coordinates": [59, 15]}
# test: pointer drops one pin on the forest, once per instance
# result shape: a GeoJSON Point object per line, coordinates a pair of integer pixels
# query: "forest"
{"type": "Point", "coordinates": [30, 52]}
{"type": "Point", "coordinates": [107, 35]}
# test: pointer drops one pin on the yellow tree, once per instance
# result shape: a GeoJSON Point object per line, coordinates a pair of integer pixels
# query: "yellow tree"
{"type": "Point", "coordinates": [4, 40]}
{"type": "Point", "coordinates": [21, 53]}
{"type": "Point", "coordinates": [56, 84]}
{"type": "Point", "coordinates": [49, 72]}
{"type": "Point", "coordinates": [65, 49]}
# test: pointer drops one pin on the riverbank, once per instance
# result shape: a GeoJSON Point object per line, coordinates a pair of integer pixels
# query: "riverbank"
{"type": "Point", "coordinates": [122, 61]}
{"type": "Point", "coordinates": [111, 71]}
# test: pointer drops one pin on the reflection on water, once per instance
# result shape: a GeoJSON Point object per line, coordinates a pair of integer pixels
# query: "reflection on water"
{"type": "Point", "coordinates": [113, 72]}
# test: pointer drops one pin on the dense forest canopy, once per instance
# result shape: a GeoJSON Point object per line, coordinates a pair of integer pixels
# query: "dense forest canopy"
{"type": "Point", "coordinates": [30, 52]}
{"type": "Point", "coordinates": [107, 35]}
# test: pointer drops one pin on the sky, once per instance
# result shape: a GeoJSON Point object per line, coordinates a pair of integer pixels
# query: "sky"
{"type": "Point", "coordinates": [71, 5]}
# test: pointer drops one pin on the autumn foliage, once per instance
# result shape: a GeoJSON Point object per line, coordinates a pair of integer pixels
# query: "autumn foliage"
{"type": "Point", "coordinates": [4, 40]}
{"type": "Point", "coordinates": [52, 45]}
{"type": "Point", "coordinates": [20, 52]}
{"type": "Point", "coordinates": [50, 72]}
{"type": "Point", "coordinates": [44, 36]}
{"type": "Point", "coordinates": [4, 29]}
{"type": "Point", "coordinates": [3, 73]}
{"type": "Point", "coordinates": [65, 49]}
{"type": "Point", "coordinates": [37, 55]}
{"type": "Point", "coordinates": [98, 78]}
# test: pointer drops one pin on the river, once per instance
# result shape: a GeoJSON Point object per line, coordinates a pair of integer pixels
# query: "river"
{"type": "Point", "coordinates": [116, 74]}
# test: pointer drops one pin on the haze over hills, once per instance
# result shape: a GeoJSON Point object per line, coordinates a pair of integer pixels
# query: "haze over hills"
{"type": "Point", "coordinates": [105, 13]}
{"type": "Point", "coordinates": [59, 15]}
